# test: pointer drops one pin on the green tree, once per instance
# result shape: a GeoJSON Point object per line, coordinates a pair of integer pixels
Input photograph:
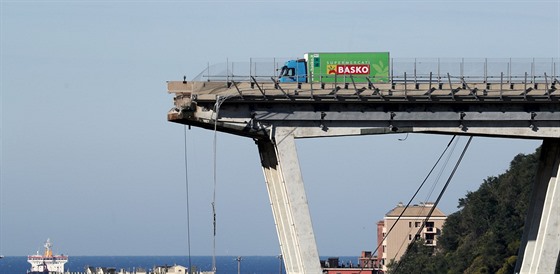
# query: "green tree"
{"type": "Point", "coordinates": [483, 236]}
{"type": "Point", "coordinates": [419, 259]}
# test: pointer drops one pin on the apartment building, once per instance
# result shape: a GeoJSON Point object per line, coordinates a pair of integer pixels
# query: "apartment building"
{"type": "Point", "coordinates": [412, 221]}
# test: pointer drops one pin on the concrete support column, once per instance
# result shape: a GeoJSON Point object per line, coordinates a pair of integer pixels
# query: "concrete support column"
{"type": "Point", "coordinates": [289, 203]}
{"type": "Point", "coordinates": [540, 244]}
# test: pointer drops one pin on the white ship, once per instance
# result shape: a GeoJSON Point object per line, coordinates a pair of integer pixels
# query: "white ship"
{"type": "Point", "coordinates": [47, 263]}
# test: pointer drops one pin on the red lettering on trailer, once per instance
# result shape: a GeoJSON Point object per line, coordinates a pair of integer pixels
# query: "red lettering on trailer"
{"type": "Point", "coordinates": [352, 69]}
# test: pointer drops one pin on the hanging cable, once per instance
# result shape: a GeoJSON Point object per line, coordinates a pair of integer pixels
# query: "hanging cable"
{"type": "Point", "coordinates": [440, 173]}
{"type": "Point", "coordinates": [418, 233]}
{"type": "Point", "coordinates": [404, 139]}
{"type": "Point", "coordinates": [217, 105]}
{"type": "Point", "coordinates": [413, 196]}
{"type": "Point", "coordinates": [187, 193]}
{"type": "Point", "coordinates": [216, 110]}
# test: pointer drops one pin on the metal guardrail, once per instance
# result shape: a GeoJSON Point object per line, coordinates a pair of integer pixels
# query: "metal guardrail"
{"type": "Point", "coordinates": [410, 70]}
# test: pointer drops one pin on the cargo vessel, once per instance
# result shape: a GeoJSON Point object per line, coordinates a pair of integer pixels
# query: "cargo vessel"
{"type": "Point", "coordinates": [47, 262]}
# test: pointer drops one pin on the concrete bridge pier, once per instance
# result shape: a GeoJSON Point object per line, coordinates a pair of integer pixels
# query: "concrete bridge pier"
{"type": "Point", "coordinates": [289, 202]}
{"type": "Point", "coordinates": [540, 244]}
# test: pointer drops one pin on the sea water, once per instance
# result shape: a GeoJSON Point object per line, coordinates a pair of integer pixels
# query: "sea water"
{"type": "Point", "coordinates": [224, 264]}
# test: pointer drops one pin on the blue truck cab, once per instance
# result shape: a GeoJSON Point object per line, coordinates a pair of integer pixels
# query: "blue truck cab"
{"type": "Point", "coordinates": [293, 71]}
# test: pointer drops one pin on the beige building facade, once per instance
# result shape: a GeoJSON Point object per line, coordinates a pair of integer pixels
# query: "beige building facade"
{"type": "Point", "coordinates": [412, 222]}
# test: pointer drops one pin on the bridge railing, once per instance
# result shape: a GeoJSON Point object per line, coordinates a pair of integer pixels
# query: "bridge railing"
{"type": "Point", "coordinates": [481, 70]}
{"type": "Point", "coordinates": [411, 70]}
{"type": "Point", "coordinates": [261, 69]}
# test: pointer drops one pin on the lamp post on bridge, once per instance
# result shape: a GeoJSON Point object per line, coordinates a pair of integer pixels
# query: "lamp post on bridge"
{"type": "Point", "coordinates": [239, 259]}
{"type": "Point", "coordinates": [280, 264]}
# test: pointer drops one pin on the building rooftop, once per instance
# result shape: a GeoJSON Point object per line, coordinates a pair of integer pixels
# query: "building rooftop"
{"type": "Point", "coordinates": [415, 211]}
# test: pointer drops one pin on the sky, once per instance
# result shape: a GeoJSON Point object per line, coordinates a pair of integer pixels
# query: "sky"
{"type": "Point", "coordinates": [89, 160]}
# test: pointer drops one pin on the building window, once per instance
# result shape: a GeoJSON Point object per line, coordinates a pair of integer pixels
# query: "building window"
{"type": "Point", "coordinates": [409, 236]}
{"type": "Point", "coordinates": [409, 224]}
{"type": "Point", "coordinates": [416, 224]}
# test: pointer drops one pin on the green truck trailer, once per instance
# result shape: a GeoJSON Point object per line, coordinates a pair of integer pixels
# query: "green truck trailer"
{"type": "Point", "coordinates": [339, 67]}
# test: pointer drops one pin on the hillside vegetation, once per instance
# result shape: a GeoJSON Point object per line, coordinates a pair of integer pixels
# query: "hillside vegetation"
{"type": "Point", "coordinates": [484, 235]}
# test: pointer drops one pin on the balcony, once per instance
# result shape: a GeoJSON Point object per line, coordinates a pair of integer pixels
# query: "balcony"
{"type": "Point", "coordinates": [430, 230]}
